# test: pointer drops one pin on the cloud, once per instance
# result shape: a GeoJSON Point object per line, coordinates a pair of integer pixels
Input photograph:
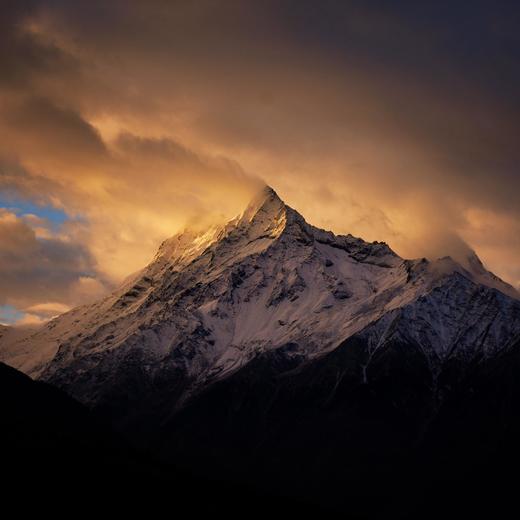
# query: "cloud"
{"type": "Point", "coordinates": [30, 319]}
{"type": "Point", "coordinates": [135, 119]}
{"type": "Point", "coordinates": [41, 312]}
{"type": "Point", "coordinates": [49, 308]}
{"type": "Point", "coordinates": [35, 269]}
{"type": "Point", "coordinates": [39, 127]}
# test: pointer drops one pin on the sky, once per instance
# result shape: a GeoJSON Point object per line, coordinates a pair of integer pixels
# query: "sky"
{"type": "Point", "coordinates": [122, 122]}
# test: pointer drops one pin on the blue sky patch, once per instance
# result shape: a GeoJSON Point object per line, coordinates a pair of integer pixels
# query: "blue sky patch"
{"type": "Point", "coordinates": [9, 314]}
{"type": "Point", "coordinates": [22, 207]}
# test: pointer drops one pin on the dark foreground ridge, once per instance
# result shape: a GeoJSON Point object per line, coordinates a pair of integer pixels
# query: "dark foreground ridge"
{"type": "Point", "coordinates": [60, 458]}
{"type": "Point", "coordinates": [264, 445]}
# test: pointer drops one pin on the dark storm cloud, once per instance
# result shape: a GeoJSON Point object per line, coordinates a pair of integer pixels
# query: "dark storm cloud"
{"type": "Point", "coordinates": [40, 123]}
{"type": "Point", "coordinates": [24, 58]}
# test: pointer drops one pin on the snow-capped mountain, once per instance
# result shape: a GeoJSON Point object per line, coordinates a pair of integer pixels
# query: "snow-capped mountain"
{"type": "Point", "coordinates": [211, 302]}
{"type": "Point", "coordinates": [273, 353]}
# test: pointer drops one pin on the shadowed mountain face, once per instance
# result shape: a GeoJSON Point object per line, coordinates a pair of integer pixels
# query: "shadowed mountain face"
{"type": "Point", "coordinates": [55, 452]}
{"type": "Point", "coordinates": [322, 367]}
{"type": "Point", "coordinates": [53, 445]}
{"type": "Point", "coordinates": [391, 442]}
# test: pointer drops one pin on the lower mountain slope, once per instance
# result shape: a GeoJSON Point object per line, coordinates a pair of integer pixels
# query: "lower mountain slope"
{"type": "Point", "coordinates": [57, 456]}
{"type": "Point", "coordinates": [388, 440]}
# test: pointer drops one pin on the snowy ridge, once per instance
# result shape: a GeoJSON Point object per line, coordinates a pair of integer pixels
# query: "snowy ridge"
{"type": "Point", "coordinates": [456, 320]}
{"type": "Point", "coordinates": [211, 302]}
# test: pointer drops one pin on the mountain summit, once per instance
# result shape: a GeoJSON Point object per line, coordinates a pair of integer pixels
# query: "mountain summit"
{"type": "Point", "coordinates": [267, 281]}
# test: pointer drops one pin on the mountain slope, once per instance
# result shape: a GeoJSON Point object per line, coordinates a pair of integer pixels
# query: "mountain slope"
{"type": "Point", "coordinates": [393, 441]}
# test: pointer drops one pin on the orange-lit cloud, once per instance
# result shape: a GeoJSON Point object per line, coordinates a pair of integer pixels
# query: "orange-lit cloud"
{"type": "Point", "coordinates": [138, 118]}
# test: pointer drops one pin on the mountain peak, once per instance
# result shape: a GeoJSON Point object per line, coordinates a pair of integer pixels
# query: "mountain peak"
{"type": "Point", "coordinates": [266, 201]}
{"type": "Point", "coordinates": [264, 215]}
{"type": "Point", "coordinates": [470, 266]}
